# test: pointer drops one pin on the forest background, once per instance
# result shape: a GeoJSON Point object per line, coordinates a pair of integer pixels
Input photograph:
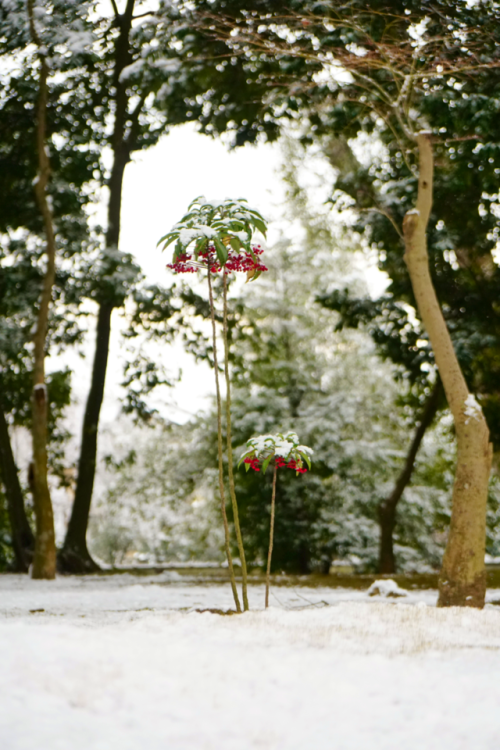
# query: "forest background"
{"type": "Point", "coordinates": [318, 344]}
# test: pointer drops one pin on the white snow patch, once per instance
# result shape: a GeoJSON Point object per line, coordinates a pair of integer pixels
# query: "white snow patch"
{"type": "Point", "coordinates": [79, 42]}
{"type": "Point", "coordinates": [472, 408]}
{"type": "Point", "coordinates": [131, 70]}
{"type": "Point", "coordinates": [106, 663]}
{"type": "Point", "coordinates": [188, 234]}
{"type": "Point", "coordinates": [168, 66]}
{"type": "Point", "coordinates": [388, 588]}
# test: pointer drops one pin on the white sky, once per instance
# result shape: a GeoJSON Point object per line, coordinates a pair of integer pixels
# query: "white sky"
{"type": "Point", "coordinates": [159, 185]}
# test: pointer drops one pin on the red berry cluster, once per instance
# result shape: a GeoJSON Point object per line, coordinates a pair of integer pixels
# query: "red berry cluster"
{"type": "Point", "coordinates": [280, 463]}
{"type": "Point", "coordinates": [237, 262]}
{"type": "Point", "coordinates": [254, 463]}
{"type": "Point", "coordinates": [182, 264]}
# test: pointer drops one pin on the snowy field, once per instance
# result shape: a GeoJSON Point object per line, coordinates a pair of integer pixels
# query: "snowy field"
{"type": "Point", "coordinates": [120, 662]}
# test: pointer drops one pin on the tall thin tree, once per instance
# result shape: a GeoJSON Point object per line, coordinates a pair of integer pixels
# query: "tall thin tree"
{"type": "Point", "coordinates": [44, 560]}
{"type": "Point", "coordinates": [463, 576]}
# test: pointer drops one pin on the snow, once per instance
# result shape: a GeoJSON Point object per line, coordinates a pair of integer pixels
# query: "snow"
{"type": "Point", "coordinates": [124, 662]}
{"type": "Point", "coordinates": [131, 70]}
{"type": "Point", "coordinates": [472, 408]}
{"type": "Point", "coordinates": [168, 66]}
{"type": "Point", "coordinates": [386, 587]}
{"type": "Point", "coordinates": [79, 42]}
{"type": "Point", "coordinates": [187, 235]}
{"type": "Point", "coordinates": [282, 448]}
{"type": "Point", "coordinates": [305, 449]}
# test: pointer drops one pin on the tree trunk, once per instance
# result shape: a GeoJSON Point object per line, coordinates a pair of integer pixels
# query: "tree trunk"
{"type": "Point", "coordinates": [75, 557]}
{"type": "Point", "coordinates": [23, 541]}
{"type": "Point", "coordinates": [44, 560]}
{"type": "Point", "coordinates": [463, 576]}
{"type": "Point", "coordinates": [387, 508]}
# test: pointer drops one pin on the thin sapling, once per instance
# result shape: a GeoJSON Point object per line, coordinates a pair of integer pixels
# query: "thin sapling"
{"type": "Point", "coordinates": [216, 237]}
{"type": "Point", "coordinates": [284, 451]}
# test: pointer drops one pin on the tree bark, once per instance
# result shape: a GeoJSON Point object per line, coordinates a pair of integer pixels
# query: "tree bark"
{"type": "Point", "coordinates": [44, 560]}
{"type": "Point", "coordinates": [387, 508]}
{"type": "Point", "coordinates": [23, 541]}
{"type": "Point", "coordinates": [74, 556]}
{"type": "Point", "coordinates": [462, 580]}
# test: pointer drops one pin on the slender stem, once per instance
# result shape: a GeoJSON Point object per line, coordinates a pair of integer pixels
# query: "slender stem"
{"type": "Point", "coordinates": [219, 451]}
{"type": "Point", "coordinates": [271, 535]}
{"type": "Point", "coordinates": [232, 490]}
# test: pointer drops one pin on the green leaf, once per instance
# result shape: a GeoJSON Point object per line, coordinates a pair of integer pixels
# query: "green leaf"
{"type": "Point", "coordinates": [306, 459]}
{"type": "Point", "coordinates": [179, 250]}
{"type": "Point", "coordinates": [235, 243]}
{"type": "Point", "coordinates": [245, 455]}
{"type": "Point", "coordinates": [247, 466]}
{"type": "Point", "coordinates": [266, 463]}
{"type": "Point", "coordinates": [168, 239]}
{"type": "Point", "coordinates": [256, 275]}
{"type": "Point", "coordinates": [196, 201]}
{"type": "Point", "coordinates": [235, 225]}
{"type": "Point", "coordinates": [221, 251]}
{"type": "Point", "coordinates": [260, 226]}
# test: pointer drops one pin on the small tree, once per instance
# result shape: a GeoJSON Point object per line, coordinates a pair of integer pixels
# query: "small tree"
{"type": "Point", "coordinates": [287, 452]}
{"type": "Point", "coordinates": [220, 234]}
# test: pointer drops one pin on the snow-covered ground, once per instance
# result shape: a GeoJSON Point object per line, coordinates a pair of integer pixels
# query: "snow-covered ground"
{"type": "Point", "coordinates": [120, 662]}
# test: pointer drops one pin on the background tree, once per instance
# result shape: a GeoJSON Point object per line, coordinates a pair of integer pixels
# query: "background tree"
{"type": "Point", "coordinates": [48, 36]}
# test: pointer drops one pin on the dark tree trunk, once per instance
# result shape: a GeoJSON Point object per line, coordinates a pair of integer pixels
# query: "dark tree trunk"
{"type": "Point", "coordinates": [74, 556]}
{"type": "Point", "coordinates": [387, 508]}
{"type": "Point", "coordinates": [23, 540]}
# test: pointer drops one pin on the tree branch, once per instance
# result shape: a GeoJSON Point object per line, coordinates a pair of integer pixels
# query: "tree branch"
{"type": "Point", "coordinates": [425, 180]}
